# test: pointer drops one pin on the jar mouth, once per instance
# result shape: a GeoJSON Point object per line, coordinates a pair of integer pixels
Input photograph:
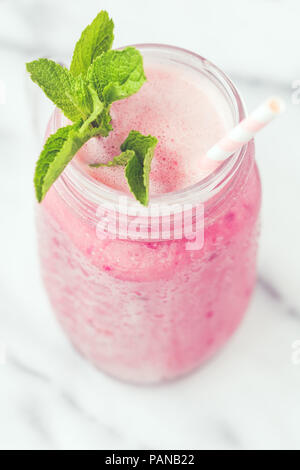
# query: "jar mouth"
{"type": "Point", "coordinates": [98, 193]}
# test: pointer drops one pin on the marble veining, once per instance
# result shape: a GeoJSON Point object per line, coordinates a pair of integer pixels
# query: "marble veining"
{"type": "Point", "coordinates": [248, 395]}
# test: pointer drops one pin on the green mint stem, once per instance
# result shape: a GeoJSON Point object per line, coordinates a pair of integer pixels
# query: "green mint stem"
{"type": "Point", "coordinates": [119, 160]}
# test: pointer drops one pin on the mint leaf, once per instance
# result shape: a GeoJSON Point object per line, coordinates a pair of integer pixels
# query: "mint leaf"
{"type": "Point", "coordinates": [95, 39]}
{"type": "Point", "coordinates": [137, 154]}
{"type": "Point", "coordinates": [119, 160]}
{"type": "Point", "coordinates": [117, 74]}
{"type": "Point", "coordinates": [80, 94]}
{"type": "Point", "coordinates": [57, 153]}
{"type": "Point", "coordinates": [61, 147]}
{"type": "Point", "coordinates": [138, 168]}
{"type": "Point", "coordinates": [67, 93]}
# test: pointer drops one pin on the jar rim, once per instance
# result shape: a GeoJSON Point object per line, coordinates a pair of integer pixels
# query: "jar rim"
{"type": "Point", "coordinates": [98, 193]}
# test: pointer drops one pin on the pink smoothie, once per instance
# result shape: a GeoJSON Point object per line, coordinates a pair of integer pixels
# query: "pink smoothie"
{"type": "Point", "coordinates": [183, 112]}
{"type": "Point", "coordinates": [147, 311]}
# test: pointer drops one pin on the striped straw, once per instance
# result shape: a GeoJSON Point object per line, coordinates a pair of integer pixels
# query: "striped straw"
{"type": "Point", "coordinates": [246, 129]}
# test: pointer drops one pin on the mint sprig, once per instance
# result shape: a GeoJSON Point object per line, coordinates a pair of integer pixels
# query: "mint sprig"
{"type": "Point", "coordinates": [136, 157]}
{"type": "Point", "coordinates": [137, 170]}
{"type": "Point", "coordinates": [97, 77]}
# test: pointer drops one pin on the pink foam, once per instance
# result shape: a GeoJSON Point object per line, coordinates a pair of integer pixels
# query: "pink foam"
{"type": "Point", "coordinates": [175, 108]}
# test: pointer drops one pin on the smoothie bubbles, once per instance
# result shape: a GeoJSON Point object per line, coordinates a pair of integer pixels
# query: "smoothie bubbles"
{"type": "Point", "coordinates": [150, 269]}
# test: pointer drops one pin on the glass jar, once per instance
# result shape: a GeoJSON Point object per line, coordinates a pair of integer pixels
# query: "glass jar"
{"type": "Point", "coordinates": [147, 309]}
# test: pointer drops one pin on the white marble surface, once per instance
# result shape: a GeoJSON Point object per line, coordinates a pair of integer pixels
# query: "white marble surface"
{"type": "Point", "coordinates": [248, 396]}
